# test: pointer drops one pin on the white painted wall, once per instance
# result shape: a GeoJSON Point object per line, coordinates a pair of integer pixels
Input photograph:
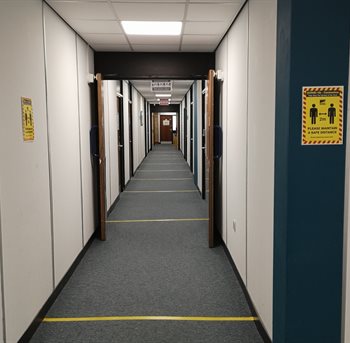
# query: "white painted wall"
{"type": "Point", "coordinates": [25, 222]}
{"type": "Point", "coordinates": [221, 64]}
{"type": "Point", "coordinates": [138, 130]}
{"type": "Point", "coordinates": [63, 119]}
{"type": "Point", "coordinates": [197, 96]}
{"type": "Point", "coordinates": [346, 269]}
{"type": "Point", "coordinates": [24, 171]}
{"type": "Point", "coordinates": [141, 129]}
{"type": "Point", "coordinates": [105, 94]}
{"type": "Point", "coordinates": [261, 146]}
{"type": "Point", "coordinates": [188, 99]}
{"type": "Point", "coordinates": [237, 79]}
{"type": "Point", "coordinates": [85, 59]}
{"type": "Point", "coordinates": [111, 140]}
{"type": "Point", "coordinates": [182, 126]}
{"type": "Point", "coordinates": [126, 98]}
{"type": "Point", "coordinates": [2, 319]}
{"type": "Point", "coordinates": [247, 57]}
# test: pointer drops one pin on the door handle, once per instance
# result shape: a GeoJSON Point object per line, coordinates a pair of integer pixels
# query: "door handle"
{"type": "Point", "coordinates": [120, 146]}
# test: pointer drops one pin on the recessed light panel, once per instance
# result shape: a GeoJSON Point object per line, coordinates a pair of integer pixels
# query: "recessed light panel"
{"type": "Point", "coordinates": [152, 28]}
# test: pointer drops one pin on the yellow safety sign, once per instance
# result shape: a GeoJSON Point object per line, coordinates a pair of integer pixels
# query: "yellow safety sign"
{"type": "Point", "coordinates": [322, 115]}
{"type": "Point", "coordinates": [27, 119]}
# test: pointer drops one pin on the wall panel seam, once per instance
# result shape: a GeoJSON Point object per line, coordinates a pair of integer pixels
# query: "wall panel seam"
{"type": "Point", "coordinates": [2, 279]}
{"type": "Point", "coordinates": [49, 148]}
{"type": "Point", "coordinates": [247, 153]}
{"type": "Point", "coordinates": [80, 138]}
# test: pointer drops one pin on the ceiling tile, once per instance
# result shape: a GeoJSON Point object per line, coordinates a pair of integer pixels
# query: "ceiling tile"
{"type": "Point", "coordinates": [83, 10]}
{"type": "Point", "coordinates": [201, 39]}
{"type": "Point", "coordinates": [113, 38]}
{"type": "Point", "coordinates": [149, 11]}
{"type": "Point", "coordinates": [96, 26]}
{"type": "Point", "coordinates": [213, 12]}
{"type": "Point", "coordinates": [204, 28]}
{"type": "Point", "coordinates": [153, 40]}
{"type": "Point", "coordinates": [155, 48]}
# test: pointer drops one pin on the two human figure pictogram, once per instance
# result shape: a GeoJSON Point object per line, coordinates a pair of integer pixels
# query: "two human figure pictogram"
{"type": "Point", "coordinates": [332, 113]}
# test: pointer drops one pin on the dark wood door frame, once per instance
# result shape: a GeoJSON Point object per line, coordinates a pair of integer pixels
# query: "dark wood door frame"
{"type": "Point", "coordinates": [102, 161]}
{"type": "Point", "coordinates": [169, 130]}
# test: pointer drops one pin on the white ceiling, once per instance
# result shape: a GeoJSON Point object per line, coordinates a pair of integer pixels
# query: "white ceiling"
{"type": "Point", "coordinates": [98, 22]}
{"type": "Point", "coordinates": [179, 90]}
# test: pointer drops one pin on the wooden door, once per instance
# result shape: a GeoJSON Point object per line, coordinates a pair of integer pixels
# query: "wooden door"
{"type": "Point", "coordinates": [166, 129]}
{"type": "Point", "coordinates": [210, 155]}
{"type": "Point", "coordinates": [102, 161]}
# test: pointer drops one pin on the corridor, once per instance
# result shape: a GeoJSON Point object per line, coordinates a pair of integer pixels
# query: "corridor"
{"type": "Point", "coordinates": [155, 262]}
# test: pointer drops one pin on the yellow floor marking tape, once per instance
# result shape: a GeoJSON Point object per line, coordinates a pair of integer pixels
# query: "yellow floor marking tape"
{"type": "Point", "coordinates": [157, 220]}
{"type": "Point", "coordinates": [140, 318]}
{"type": "Point", "coordinates": [185, 178]}
{"type": "Point", "coordinates": [156, 170]}
{"type": "Point", "coordinates": [179, 191]}
{"type": "Point", "coordinates": [149, 163]}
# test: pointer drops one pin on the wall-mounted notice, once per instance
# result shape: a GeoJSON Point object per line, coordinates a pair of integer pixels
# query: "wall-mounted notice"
{"type": "Point", "coordinates": [27, 119]}
{"type": "Point", "coordinates": [322, 115]}
{"type": "Point", "coordinates": [166, 122]}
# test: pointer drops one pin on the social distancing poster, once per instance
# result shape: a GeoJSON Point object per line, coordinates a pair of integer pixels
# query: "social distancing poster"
{"type": "Point", "coordinates": [27, 119]}
{"type": "Point", "coordinates": [322, 115]}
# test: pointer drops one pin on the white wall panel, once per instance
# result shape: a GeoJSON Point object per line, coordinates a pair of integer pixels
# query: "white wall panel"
{"type": "Point", "coordinates": [63, 114]}
{"type": "Point", "coordinates": [141, 128]}
{"type": "Point", "coordinates": [221, 64]}
{"type": "Point", "coordinates": [183, 133]}
{"type": "Point", "coordinates": [105, 92]}
{"type": "Point", "coordinates": [135, 120]}
{"type": "Point", "coordinates": [261, 128]}
{"type": "Point", "coordinates": [188, 118]}
{"type": "Point", "coordinates": [85, 66]}
{"type": "Point", "coordinates": [24, 171]}
{"type": "Point", "coordinates": [237, 140]}
{"type": "Point", "coordinates": [126, 98]}
{"type": "Point", "coordinates": [199, 133]}
{"type": "Point", "coordinates": [113, 139]}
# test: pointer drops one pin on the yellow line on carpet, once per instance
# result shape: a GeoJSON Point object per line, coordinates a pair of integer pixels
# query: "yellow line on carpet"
{"type": "Point", "coordinates": [157, 170]}
{"type": "Point", "coordinates": [174, 179]}
{"type": "Point", "coordinates": [179, 191]}
{"type": "Point", "coordinates": [157, 220]}
{"type": "Point", "coordinates": [145, 318]}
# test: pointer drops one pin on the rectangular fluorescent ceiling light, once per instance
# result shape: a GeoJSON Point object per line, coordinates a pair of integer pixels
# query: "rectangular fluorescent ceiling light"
{"type": "Point", "coordinates": [163, 95]}
{"type": "Point", "coordinates": [152, 28]}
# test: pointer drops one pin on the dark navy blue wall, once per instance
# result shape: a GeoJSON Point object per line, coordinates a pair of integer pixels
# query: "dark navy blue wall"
{"type": "Point", "coordinates": [312, 50]}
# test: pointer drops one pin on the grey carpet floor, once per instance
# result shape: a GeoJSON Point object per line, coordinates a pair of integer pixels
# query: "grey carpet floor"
{"type": "Point", "coordinates": [153, 269]}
